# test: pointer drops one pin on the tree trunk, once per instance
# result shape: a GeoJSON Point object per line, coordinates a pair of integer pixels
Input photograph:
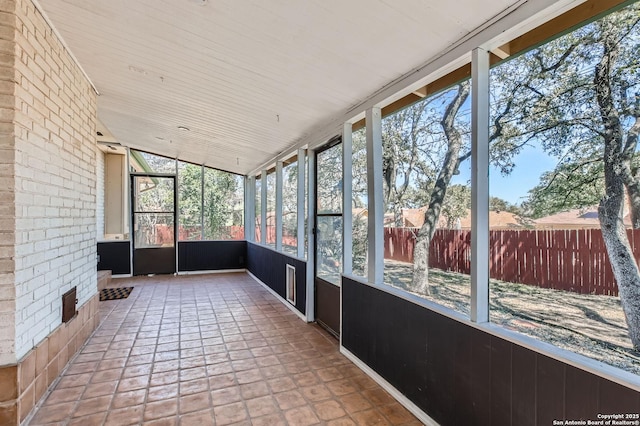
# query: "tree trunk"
{"type": "Point", "coordinates": [449, 167]}
{"type": "Point", "coordinates": [610, 211]}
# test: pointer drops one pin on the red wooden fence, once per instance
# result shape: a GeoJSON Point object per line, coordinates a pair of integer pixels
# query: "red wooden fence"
{"type": "Point", "coordinates": [572, 260]}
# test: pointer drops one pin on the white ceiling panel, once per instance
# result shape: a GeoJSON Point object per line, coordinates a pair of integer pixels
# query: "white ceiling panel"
{"type": "Point", "coordinates": [249, 78]}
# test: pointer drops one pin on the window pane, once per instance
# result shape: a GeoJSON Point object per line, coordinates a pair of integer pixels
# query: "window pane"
{"type": "Point", "coordinates": [223, 205]}
{"type": "Point", "coordinates": [153, 194]}
{"type": "Point", "coordinates": [329, 185]}
{"type": "Point", "coordinates": [271, 210]}
{"type": "Point", "coordinates": [189, 201]}
{"type": "Point", "coordinates": [290, 208]}
{"type": "Point", "coordinates": [359, 204]}
{"type": "Point", "coordinates": [143, 162]}
{"type": "Point", "coordinates": [153, 230]}
{"type": "Point", "coordinates": [555, 232]}
{"type": "Point", "coordinates": [426, 195]}
{"type": "Point", "coordinates": [329, 248]}
{"type": "Point", "coordinates": [258, 212]}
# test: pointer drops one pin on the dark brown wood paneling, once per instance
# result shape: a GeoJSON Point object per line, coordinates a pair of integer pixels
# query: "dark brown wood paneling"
{"type": "Point", "coordinates": [549, 390]}
{"type": "Point", "coordinates": [328, 305]}
{"type": "Point", "coordinates": [500, 379]}
{"type": "Point", "coordinates": [458, 374]}
{"type": "Point", "coordinates": [523, 386]}
{"type": "Point", "coordinates": [157, 260]}
{"type": "Point", "coordinates": [211, 255]}
{"type": "Point", "coordinates": [114, 256]}
{"type": "Point", "coordinates": [581, 395]}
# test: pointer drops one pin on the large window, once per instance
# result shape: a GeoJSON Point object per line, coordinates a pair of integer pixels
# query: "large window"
{"type": "Point", "coordinates": [271, 210]}
{"type": "Point", "coordinates": [359, 203]}
{"type": "Point", "coordinates": [258, 211]}
{"type": "Point", "coordinates": [426, 196]}
{"type": "Point", "coordinates": [223, 205]}
{"type": "Point", "coordinates": [563, 130]}
{"type": "Point", "coordinates": [290, 208]}
{"type": "Point", "coordinates": [189, 201]}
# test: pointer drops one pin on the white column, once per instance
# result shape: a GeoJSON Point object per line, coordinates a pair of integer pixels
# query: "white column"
{"type": "Point", "coordinates": [480, 186]}
{"type": "Point", "coordinates": [250, 208]}
{"type": "Point", "coordinates": [311, 238]}
{"type": "Point", "coordinates": [263, 207]}
{"type": "Point", "coordinates": [347, 211]}
{"type": "Point", "coordinates": [375, 238]}
{"type": "Point", "coordinates": [279, 206]}
{"type": "Point", "coordinates": [202, 201]}
{"type": "Point", "coordinates": [301, 202]}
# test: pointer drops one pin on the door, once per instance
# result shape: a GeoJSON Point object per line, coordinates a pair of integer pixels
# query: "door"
{"type": "Point", "coordinates": [153, 204]}
{"type": "Point", "coordinates": [328, 236]}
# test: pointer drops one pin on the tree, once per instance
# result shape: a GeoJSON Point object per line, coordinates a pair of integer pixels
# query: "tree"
{"type": "Point", "coordinates": [577, 96]}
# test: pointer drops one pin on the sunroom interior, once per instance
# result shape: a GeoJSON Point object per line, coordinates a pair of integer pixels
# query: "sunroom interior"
{"type": "Point", "coordinates": [433, 184]}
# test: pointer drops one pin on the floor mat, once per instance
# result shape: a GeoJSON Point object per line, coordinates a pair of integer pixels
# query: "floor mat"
{"type": "Point", "coordinates": [115, 293]}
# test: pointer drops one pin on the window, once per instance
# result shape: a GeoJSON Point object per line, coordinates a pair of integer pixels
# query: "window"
{"type": "Point", "coordinates": [189, 201]}
{"type": "Point", "coordinates": [359, 207]}
{"type": "Point", "coordinates": [552, 227]}
{"type": "Point", "coordinates": [258, 210]}
{"type": "Point", "coordinates": [223, 205]}
{"type": "Point", "coordinates": [271, 210]}
{"type": "Point", "coordinates": [426, 196]}
{"type": "Point", "coordinates": [290, 208]}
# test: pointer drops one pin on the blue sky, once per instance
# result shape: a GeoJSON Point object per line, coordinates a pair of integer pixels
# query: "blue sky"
{"type": "Point", "coordinates": [529, 166]}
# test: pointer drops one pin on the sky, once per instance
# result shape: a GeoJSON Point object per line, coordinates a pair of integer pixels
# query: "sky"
{"type": "Point", "coordinates": [529, 166]}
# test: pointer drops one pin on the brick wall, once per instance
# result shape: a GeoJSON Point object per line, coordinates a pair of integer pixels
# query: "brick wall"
{"type": "Point", "coordinates": [55, 180]}
{"type": "Point", "coordinates": [7, 184]}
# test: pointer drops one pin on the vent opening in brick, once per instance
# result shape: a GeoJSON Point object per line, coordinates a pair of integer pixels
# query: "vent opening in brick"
{"type": "Point", "coordinates": [69, 302]}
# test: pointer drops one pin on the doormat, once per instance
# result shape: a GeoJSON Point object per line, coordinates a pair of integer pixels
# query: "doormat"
{"type": "Point", "coordinates": [115, 293]}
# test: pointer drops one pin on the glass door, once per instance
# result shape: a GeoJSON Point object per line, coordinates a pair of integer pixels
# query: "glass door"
{"type": "Point", "coordinates": [328, 236]}
{"type": "Point", "coordinates": [153, 201]}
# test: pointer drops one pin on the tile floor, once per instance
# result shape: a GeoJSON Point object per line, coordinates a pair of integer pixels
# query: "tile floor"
{"type": "Point", "coordinates": [211, 350]}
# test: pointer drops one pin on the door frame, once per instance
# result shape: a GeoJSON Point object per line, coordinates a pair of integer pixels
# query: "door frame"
{"type": "Point", "coordinates": [174, 257]}
{"type": "Point", "coordinates": [331, 287]}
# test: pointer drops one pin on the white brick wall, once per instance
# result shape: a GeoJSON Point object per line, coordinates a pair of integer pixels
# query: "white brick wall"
{"type": "Point", "coordinates": [7, 184]}
{"type": "Point", "coordinates": [55, 180]}
{"type": "Point", "coordinates": [99, 194]}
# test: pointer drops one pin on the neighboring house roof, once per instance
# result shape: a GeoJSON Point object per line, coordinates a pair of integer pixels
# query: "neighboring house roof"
{"type": "Point", "coordinates": [497, 219]}
{"type": "Point", "coordinates": [575, 218]}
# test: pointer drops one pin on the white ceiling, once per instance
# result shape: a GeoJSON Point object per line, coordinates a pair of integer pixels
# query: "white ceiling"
{"type": "Point", "coordinates": [249, 78]}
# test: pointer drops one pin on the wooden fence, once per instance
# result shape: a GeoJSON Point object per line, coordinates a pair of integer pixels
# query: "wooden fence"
{"type": "Point", "coordinates": [572, 260]}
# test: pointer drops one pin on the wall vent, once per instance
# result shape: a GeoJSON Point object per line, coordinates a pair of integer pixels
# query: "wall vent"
{"type": "Point", "coordinates": [69, 302]}
{"type": "Point", "coordinates": [291, 284]}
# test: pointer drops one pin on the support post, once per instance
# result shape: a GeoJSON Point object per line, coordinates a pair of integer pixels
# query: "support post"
{"type": "Point", "coordinates": [263, 207]}
{"type": "Point", "coordinates": [301, 203]}
{"type": "Point", "coordinates": [480, 186]}
{"type": "Point", "coordinates": [279, 183]}
{"type": "Point", "coordinates": [347, 211]}
{"type": "Point", "coordinates": [375, 225]}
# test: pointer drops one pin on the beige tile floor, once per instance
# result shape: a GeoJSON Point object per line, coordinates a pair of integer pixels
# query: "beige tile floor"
{"type": "Point", "coordinates": [211, 350]}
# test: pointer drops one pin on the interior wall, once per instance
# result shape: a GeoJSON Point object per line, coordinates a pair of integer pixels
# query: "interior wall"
{"type": "Point", "coordinates": [55, 179]}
